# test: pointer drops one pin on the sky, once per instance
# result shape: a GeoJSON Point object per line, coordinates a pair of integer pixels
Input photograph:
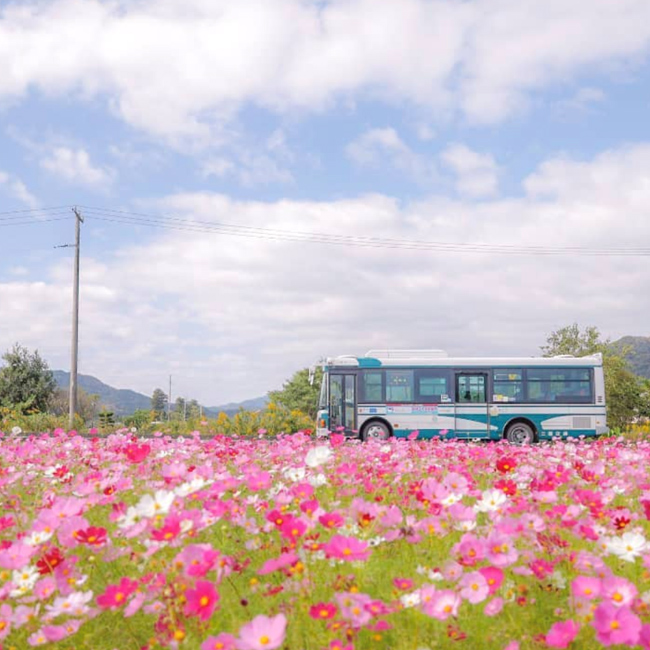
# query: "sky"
{"type": "Point", "coordinates": [267, 182]}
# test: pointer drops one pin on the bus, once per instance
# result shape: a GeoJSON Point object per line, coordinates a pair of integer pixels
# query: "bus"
{"type": "Point", "coordinates": [394, 393]}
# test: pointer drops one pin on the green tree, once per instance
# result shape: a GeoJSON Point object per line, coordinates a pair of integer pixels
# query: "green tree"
{"type": "Point", "coordinates": [139, 419]}
{"type": "Point", "coordinates": [623, 388]}
{"type": "Point", "coordinates": [193, 410]}
{"type": "Point", "coordinates": [297, 393]}
{"type": "Point", "coordinates": [26, 382]}
{"type": "Point", "coordinates": [87, 404]}
{"type": "Point", "coordinates": [158, 402]}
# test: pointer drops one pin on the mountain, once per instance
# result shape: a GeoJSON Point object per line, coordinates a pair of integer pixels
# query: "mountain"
{"type": "Point", "coordinates": [120, 401]}
{"type": "Point", "coordinates": [124, 401]}
{"type": "Point", "coordinates": [639, 354]}
{"type": "Point", "coordinates": [254, 404]}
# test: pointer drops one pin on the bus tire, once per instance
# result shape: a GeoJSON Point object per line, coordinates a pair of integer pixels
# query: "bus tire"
{"type": "Point", "coordinates": [375, 430]}
{"type": "Point", "coordinates": [520, 433]}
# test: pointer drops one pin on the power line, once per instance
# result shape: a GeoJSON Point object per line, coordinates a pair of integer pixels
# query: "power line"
{"type": "Point", "coordinates": [27, 210]}
{"type": "Point", "coordinates": [32, 222]}
{"type": "Point", "coordinates": [187, 225]}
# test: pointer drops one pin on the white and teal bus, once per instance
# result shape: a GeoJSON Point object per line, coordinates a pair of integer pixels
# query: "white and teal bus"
{"type": "Point", "coordinates": [392, 393]}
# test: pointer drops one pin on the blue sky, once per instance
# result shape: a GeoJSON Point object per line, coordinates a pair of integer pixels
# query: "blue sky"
{"type": "Point", "coordinates": [521, 123]}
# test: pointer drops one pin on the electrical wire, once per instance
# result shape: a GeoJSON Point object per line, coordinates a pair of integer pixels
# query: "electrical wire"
{"type": "Point", "coordinates": [32, 222]}
{"type": "Point", "coordinates": [36, 210]}
{"type": "Point", "coordinates": [187, 225]}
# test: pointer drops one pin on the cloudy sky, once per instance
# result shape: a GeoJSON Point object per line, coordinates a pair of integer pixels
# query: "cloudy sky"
{"type": "Point", "coordinates": [268, 181]}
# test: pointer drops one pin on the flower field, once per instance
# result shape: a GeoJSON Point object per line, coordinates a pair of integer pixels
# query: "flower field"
{"type": "Point", "coordinates": [213, 544]}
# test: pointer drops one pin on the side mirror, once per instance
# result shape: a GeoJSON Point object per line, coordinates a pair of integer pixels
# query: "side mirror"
{"type": "Point", "coordinates": [312, 375]}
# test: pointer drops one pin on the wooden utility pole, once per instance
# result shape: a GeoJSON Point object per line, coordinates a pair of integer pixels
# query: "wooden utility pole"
{"type": "Point", "coordinates": [75, 320]}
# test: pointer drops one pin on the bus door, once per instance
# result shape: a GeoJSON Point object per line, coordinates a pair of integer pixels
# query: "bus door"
{"type": "Point", "coordinates": [472, 412]}
{"type": "Point", "coordinates": [343, 402]}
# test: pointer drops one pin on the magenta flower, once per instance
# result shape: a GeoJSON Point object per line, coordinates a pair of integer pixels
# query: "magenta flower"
{"type": "Point", "coordinates": [116, 595]}
{"type": "Point", "coordinates": [285, 560]}
{"type": "Point", "coordinates": [346, 548]}
{"type": "Point", "coordinates": [562, 633]}
{"type": "Point", "coordinates": [201, 600]}
{"type": "Point", "coordinates": [263, 633]}
{"type": "Point", "coordinates": [493, 576]}
{"type": "Point", "coordinates": [616, 625]}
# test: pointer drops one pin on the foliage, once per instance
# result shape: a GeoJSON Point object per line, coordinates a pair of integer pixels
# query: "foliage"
{"type": "Point", "coordinates": [297, 393]}
{"type": "Point", "coordinates": [140, 419]}
{"type": "Point", "coordinates": [87, 405]}
{"type": "Point", "coordinates": [159, 403]}
{"type": "Point", "coordinates": [26, 382]}
{"type": "Point", "coordinates": [625, 394]}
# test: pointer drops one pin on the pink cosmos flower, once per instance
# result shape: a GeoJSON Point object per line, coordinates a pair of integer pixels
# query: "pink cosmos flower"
{"type": "Point", "coordinates": [474, 587]}
{"type": "Point", "coordinates": [285, 560]}
{"type": "Point", "coordinates": [493, 607]}
{"type": "Point", "coordinates": [6, 616]}
{"type": "Point", "coordinates": [323, 611]}
{"type": "Point", "coordinates": [331, 520]}
{"type": "Point", "coordinates": [500, 550]}
{"type": "Point", "coordinates": [562, 633]}
{"type": "Point", "coordinates": [91, 536]}
{"type": "Point", "coordinates": [493, 576]}
{"type": "Point", "coordinates": [222, 641]}
{"type": "Point", "coordinates": [169, 531]}
{"type": "Point", "coordinates": [586, 588]}
{"type": "Point", "coordinates": [202, 600]}
{"type": "Point", "coordinates": [352, 608]}
{"type": "Point", "coordinates": [346, 548]}
{"type": "Point", "coordinates": [619, 591]}
{"type": "Point", "coordinates": [616, 625]}
{"type": "Point", "coordinates": [197, 559]}
{"type": "Point", "coordinates": [116, 595]}
{"type": "Point", "coordinates": [263, 633]}
{"type": "Point", "coordinates": [442, 605]}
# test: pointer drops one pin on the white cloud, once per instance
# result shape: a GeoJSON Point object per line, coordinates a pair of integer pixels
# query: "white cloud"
{"type": "Point", "coordinates": [477, 174]}
{"type": "Point", "coordinates": [14, 187]}
{"type": "Point", "coordinates": [583, 100]}
{"type": "Point", "coordinates": [378, 147]}
{"type": "Point", "coordinates": [181, 69]}
{"type": "Point", "coordinates": [231, 317]}
{"type": "Point", "coordinates": [75, 166]}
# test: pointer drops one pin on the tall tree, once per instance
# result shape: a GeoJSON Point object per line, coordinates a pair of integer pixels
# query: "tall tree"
{"type": "Point", "coordinates": [623, 389]}
{"type": "Point", "coordinates": [26, 382]}
{"type": "Point", "coordinates": [298, 394]}
{"type": "Point", "coordinates": [158, 402]}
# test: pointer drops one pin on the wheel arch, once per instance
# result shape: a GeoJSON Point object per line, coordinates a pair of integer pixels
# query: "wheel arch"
{"type": "Point", "coordinates": [374, 419]}
{"type": "Point", "coordinates": [520, 419]}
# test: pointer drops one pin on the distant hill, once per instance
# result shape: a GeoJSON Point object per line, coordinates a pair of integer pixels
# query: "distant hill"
{"type": "Point", "coordinates": [120, 401]}
{"type": "Point", "coordinates": [254, 404]}
{"type": "Point", "coordinates": [639, 355]}
{"type": "Point", "coordinates": [125, 402]}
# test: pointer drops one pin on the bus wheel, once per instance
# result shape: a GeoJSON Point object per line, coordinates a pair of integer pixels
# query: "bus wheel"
{"type": "Point", "coordinates": [375, 431]}
{"type": "Point", "coordinates": [520, 433]}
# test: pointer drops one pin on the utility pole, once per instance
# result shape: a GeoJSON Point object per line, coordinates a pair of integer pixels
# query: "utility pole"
{"type": "Point", "coordinates": [75, 320]}
{"type": "Point", "coordinates": [169, 399]}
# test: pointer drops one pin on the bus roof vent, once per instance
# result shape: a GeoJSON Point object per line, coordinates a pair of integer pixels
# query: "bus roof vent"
{"type": "Point", "coordinates": [564, 356]}
{"type": "Point", "coordinates": [407, 354]}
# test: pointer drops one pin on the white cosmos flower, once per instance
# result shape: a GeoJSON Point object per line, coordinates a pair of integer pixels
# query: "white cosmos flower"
{"type": "Point", "coordinates": [129, 518]}
{"type": "Point", "coordinates": [23, 580]}
{"type": "Point", "coordinates": [318, 456]}
{"type": "Point", "coordinates": [410, 600]}
{"type": "Point", "coordinates": [16, 431]}
{"type": "Point", "coordinates": [628, 546]}
{"type": "Point", "coordinates": [451, 498]}
{"type": "Point", "coordinates": [491, 500]}
{"type": "Point", "coordinates": [158, 504]}
{"type": "Point", "coordinates": [38, 537]}
{"type": "Point", "coordinates": [191, 486]}
{"type": "Point", "coordinates": [317, 480]}
{"type": "Point", "coordinates": [294, 474]}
